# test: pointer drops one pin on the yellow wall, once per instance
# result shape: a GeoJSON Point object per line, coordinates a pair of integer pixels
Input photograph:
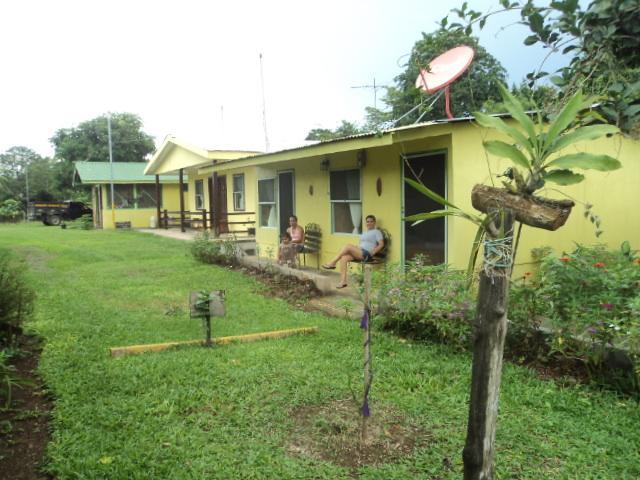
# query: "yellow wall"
{"type": "Point", "coordinates": [250, 189]}
{"type": "Point", "coordinates": [141, 217]}
{"type": "Point", "coordinates": [613, 194]}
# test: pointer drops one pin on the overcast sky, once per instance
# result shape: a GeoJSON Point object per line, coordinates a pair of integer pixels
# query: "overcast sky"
{"type": "Point", "coordinates": [191, 68]}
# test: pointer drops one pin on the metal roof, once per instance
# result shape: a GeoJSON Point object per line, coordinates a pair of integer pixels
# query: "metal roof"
{"type": "Point", "coordinates": [123, 172]}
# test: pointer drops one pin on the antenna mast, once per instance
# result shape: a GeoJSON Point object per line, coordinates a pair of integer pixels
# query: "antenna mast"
{"type": "Point", "coordinates": [264, 109]}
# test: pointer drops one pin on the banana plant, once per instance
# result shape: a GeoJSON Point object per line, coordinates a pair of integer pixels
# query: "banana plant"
{"type": "Point", "coordinates": [534, 146]}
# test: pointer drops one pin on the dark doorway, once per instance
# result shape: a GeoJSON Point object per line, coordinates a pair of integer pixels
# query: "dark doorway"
{"type": "Point", "coordinates": [285, 199]}
{"type": "Point", "coordinates": [428, 237]}
{"type": "Point", "coordinates": [221, 203]}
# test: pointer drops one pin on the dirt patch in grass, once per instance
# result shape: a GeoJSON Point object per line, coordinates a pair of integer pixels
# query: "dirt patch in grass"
{"type": "Point", "coordinates": [292, 289]}
{"type": "Point", "coordinates": [24, 427]}
{"type": "Point", "coordinates": [332, 432]}
{"type": "Point", "coordinates": [35, 257]}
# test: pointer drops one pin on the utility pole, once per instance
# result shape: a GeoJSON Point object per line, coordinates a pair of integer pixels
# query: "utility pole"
{"type": "Point", "coordinates": [26, 179]}
{"type": "Point", "coordinates": [264, 109]}
{"type": "Point", "coordinates": [113, 205]}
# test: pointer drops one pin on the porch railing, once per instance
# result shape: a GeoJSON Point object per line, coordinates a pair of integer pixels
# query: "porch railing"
{"type": "Point", "coordinates": [201, 220]}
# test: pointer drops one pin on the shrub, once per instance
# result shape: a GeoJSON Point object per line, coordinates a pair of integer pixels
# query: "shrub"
{"type": "Point", "coordinates": [85, 222]}
{"type": "Point", "coordinates": [426, 301]}
{"type": "Point", "coordinates": [16, 297]}
{"type": "Point", "coordinates": [206, 250]}
{"type": "Point", "coordinates": [593, 305]}
{"type": "Point", "coordinates": [10, 211]}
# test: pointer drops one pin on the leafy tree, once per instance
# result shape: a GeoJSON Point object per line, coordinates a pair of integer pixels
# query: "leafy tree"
{"type": "Point", "coordinates": [89, 141]}
{"type": "Point", "coordinates": [15, 164]}
{"type": "Point", "coordinates": [478, 85]}
{"type": "Point", "coordinates": [604, 40]}
{"type": "Point", "coordinates": [345, 129]}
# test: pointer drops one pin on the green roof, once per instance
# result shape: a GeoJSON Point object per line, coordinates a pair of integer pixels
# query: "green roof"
{"type": "Point", "coordinates": [123, 172]}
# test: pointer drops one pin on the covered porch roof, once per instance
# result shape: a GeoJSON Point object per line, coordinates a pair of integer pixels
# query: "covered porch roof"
{"type": "Point", "coordinates": [347, 144]}
{"type": "Point", "coordinates": [175, 155]}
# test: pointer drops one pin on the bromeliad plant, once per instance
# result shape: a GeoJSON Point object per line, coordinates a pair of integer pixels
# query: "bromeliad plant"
{"type": "Point", "coordinates": [533, 146]}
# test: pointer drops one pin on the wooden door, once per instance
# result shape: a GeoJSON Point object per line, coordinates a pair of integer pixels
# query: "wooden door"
{"type": "Point", "coordinates": [221, 204]}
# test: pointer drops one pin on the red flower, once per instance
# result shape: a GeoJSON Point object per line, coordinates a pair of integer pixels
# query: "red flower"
{"type": "Point", "coordinates": [565, 259]}
{"type": "Point", "coordinates": [527, 274]}
{"type": "Point", "coordinates": [598, 264]}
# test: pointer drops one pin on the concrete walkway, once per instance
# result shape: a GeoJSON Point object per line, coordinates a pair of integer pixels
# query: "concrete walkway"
{"type": "Point", "coordinates": [335, 302]}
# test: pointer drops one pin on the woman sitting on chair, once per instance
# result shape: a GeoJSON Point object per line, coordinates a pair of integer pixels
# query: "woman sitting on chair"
{"type": "Point", "coordinates": [371, 242]}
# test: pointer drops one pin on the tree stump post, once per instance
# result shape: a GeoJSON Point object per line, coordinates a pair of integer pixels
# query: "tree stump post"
{"type": "Point", "coordinates": [368, 375]}
{"type": "Point", "coordinates": [490, 328]}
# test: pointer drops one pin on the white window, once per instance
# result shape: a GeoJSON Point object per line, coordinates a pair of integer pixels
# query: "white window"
{"type": "Point", "coordinates": [346, 205]}
{"type": "Point", "coordinates": [267, 202]}
{"type": "Point", "coordinates": [238, 192]}
{"type": "Point", "coordinates": [199, 195]}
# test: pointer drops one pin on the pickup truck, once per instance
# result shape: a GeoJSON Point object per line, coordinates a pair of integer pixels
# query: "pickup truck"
{"type": "Point", "coordinates": [54, 213]}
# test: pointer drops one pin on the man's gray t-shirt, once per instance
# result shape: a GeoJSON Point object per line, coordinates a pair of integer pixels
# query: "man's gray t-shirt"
{"type": "Point", "coordinates": [369, 239]}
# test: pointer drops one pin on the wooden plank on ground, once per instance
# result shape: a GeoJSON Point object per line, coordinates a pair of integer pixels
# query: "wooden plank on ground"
{"type": "Point", "coordinates": [253, 337]}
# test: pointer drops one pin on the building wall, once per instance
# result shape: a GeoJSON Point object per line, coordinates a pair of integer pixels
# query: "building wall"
{"type": "Point", "coordinates": [141, 217]}
{"type": "Point", "coordinates": [613, 194]}
{"type": "Point", "coordinates": [250, 188]}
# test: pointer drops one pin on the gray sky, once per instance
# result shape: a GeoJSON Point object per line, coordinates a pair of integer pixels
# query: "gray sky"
{"type": "Point", "coordinates": [191, 68]}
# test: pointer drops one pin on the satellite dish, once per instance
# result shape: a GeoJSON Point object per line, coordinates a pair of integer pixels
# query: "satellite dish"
{"type": "Point", "coordinates": [444, 70]}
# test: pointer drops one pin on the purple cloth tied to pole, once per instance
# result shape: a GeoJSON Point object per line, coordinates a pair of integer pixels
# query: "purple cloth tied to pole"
{"type": "Point", "coordinates": [364, 323]}
{"type": "Point", "coordinates": [365, 409]}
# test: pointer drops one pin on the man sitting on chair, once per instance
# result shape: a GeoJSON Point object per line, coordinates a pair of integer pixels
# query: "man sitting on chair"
{"type": "Point", "coordinates": [371, 242]}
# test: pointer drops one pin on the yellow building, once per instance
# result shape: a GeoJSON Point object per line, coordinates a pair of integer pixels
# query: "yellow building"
{"type": "Point", "coordinates": [135, 194]}
{"type": "Point", "coordinates": [335, 184]}
{"type": "Point", "coordinates": [225, 200]}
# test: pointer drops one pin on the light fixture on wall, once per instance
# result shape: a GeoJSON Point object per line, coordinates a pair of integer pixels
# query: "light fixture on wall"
{"type": "Point", "coordinates": [362, 158]}
{"type": "Point", "coordinates": [324, 164]}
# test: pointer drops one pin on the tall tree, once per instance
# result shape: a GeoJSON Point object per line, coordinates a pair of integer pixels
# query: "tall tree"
{"type": "Point", "coordinates": [469, 93]}
{"type": "Point", "coordinates": [345, 129]}
{"type": "Point", "coordinates": [15, 165]}
{"type": "Point", "coordinates": [89, 141]}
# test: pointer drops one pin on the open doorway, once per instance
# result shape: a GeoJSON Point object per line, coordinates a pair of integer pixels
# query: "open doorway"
{"type": "Point", "coordinates": [285, 199]}
{"type": "Point", "coordinates": [428, 237]}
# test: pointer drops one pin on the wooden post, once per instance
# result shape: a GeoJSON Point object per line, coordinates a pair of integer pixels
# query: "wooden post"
{"type": "Point", "coordinates": [365, 324]}
{"type": "Point", "coordinates": [166, 219]}
{"type": "Point", "coordinates": [215, 227]}
{"type": "Point", "coordinates": [204, 219]}
{"type": "Point", "coordinates": [158, 201]}
{"type": "Point", "coordinates": [210, 185]}
{"type": "Point", "coordinates": [490, 328]}
{"type": "Point", "coordinates": [182, 229]}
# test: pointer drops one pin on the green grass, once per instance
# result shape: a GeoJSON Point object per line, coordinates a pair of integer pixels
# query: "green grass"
{"type": "Point", "coordinates": [225, 412]}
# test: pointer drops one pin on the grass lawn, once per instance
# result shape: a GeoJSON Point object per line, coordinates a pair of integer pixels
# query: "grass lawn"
{"type": "Point", "coordinates": [227, 412]}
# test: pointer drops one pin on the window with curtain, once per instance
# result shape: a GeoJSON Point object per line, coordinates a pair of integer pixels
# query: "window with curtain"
{"type": "Point", "coordinates": [238, 192]}
{"type": "Point", "coordinates": [346, 205]}
{"type": "Point", "coordinates": [267, 202]}
{"type": "Point", "coordinates": [199, 194]}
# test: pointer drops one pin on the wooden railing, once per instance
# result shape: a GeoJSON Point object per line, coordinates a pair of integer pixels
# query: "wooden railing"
{"type": "Point", "coordinates": [201, 220]}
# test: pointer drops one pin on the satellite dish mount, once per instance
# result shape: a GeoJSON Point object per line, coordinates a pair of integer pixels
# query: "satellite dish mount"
{"type": "Point", "coordinates": [443, 71]}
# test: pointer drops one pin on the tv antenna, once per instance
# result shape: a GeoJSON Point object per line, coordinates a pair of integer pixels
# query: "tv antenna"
{"type": "Point", "coordinates": [375, 88]}
{"type": "Point", "coordinates": [443, 70]}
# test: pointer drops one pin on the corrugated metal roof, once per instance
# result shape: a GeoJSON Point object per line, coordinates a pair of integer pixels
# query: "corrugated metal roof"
{"type": "Point", "coordinates": [123, 172]}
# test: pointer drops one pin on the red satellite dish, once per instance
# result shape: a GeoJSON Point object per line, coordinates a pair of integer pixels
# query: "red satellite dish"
{"type": "Point", "coordinates": [444, 70]}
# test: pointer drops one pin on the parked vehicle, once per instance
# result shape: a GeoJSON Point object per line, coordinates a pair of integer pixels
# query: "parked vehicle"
{"type": "Point", "coordinates": [54, 213]}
